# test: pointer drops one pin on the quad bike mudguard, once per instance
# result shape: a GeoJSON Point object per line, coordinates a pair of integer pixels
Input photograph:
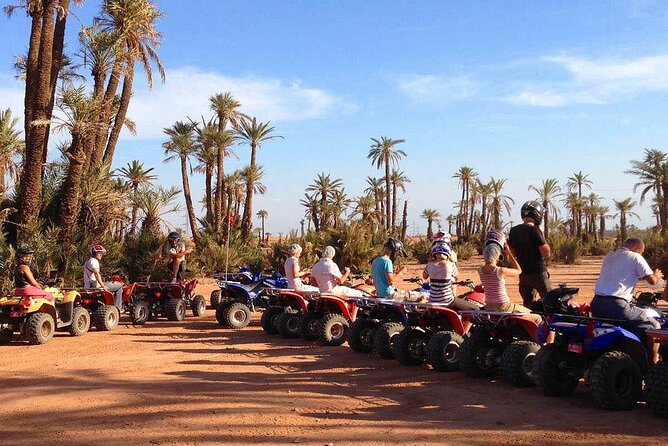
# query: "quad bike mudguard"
{"type": "Point", "coordinates": [292, 299]}
{"type": "Point", "coordinates": [450, 315]}
{"type": "Point", "coordinates": [20, 306]}
{"type": "Point", "coordinates": [346, 307]}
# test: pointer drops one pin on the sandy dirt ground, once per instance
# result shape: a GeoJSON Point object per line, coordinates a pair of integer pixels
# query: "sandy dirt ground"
{"type": "Point", "coordinates": [193, 382]}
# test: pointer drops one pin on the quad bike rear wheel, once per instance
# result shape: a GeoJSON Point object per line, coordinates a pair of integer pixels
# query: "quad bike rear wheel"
{"type": "Point", "coordinates": [309, 325]}
{"type": "Point", "coordinates": [410, 346]}
{"type": "Point", "coordinates": [616, 381]}
{"type": "Point", "coordinates": [518, 363]}
{"type": "Point", "coordinates": [551, 372]}
{"type": "Point", "coordinates": [175, 309]}
{"type": "Point", "coordinates": [333, 329]}
{"type": "Point", "coordinates": [6, 335]}
{"type": "Point", "coordinates": [235, 315]}
{"type": "Point", "coordinates": [269, 320]}
{"type": "Point", "coordinates": [656, 389]}
{"type": "Point", "coordinates": [140, 312]}
{"type": "Point", "coordinates": [443, 351]}
{"type": "Point", "coordinates": [198, 306]}
{"type": "Point", "coordinates": [39, 328]}
{"type": "Point", "coordinates": [105, 318]}
{"type": "Point", "coordinates": [386, 337]}
{"type": "Point", "coordinates": [80, 322]}
{"type": "Point", "coordinates": [288, 324]}
{"type": "Point", "coordinates": [362, 335]}
{"type": "Point", "coordinates": [215, 298]}
{"type": "Point", "coordinates": [475, 356]}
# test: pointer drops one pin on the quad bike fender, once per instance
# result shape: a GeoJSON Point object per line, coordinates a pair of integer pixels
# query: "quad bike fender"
{"type": "Point", "coordinates": [453, 317]}
{"type": "Point", "coordinates": [638, 352]}
{"type": "Point", "coordinates": [347, 308]}
{"type": "Point", "coordinates": [293, 299]}
{"type": "Point", "coordinates": [128, 291]}
{"type": "Point", "coordinates": [190, 286]}
{"type": "Point", "coordinates": [527, 324]}
{"type": "Point", "coordinates": [604, 337]}
{"type": "Point", "coordinates": [238, 293]}
{"type": "Point", "coordinates": [89, 297]}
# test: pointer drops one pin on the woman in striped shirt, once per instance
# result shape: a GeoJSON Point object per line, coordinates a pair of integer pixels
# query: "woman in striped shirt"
{"type": "Point", "coordinates": [441, 273]}
{"type": "Point", "coordinates": [493, 278]}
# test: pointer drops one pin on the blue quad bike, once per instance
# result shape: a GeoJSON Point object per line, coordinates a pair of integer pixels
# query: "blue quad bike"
{"type": "Point", "coordinates": [612, 360]}
{"type": "Point", "coordinates": [236, 299]}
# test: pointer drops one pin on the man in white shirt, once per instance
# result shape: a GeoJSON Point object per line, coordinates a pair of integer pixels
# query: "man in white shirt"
{"type": "Point", "coordinates": [93, 278]}
{"type": "Point", "coordinates": [620, 273]}
{"type": "Point", "coordinates": [329, 278]}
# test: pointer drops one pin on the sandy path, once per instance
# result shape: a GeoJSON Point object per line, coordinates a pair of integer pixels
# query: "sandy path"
{"type": "Point", "coordinates": [194, 383]}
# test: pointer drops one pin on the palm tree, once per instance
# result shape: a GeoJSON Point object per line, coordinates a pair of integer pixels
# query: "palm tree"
{"type": "Point", "coordinates": [11, 145]}
{"type": "Point", "coordinates": [156, 203]}
{"type": "Point", "coordinates": [136, 176]}
{"type": "Point", "coordinates": [575, 205]}
{"type": "Point", "coordinates": [226, 109]}
{"type": "Point", "coordinates": [602, 215]}
{"type": "Point", "coordinates": [547, 192]}
{"type": "Point", "coordinates": [262, 215]}
{"type": "Point", "coordinates": [484, 192]}
{"type": "Point", "coordinates": [254, 133]}
{"type": "Point", "coordinates": [181, 146]}
{"type": "Point", "coordinates": [398, 180]}
{"type": "Point", "coordinates": [451, 219]}
{"type": "Point", "coordinates": [206, 157]}
{"type": "Point", "coordinates": [499, 201]}
{"type": "Point", "coordinates": [652, 172]}
{"type": "Point", "coordinates": [366, 208]}
{"type": "Point", "coordinates": [466, 176]}
{"type": "Point", "coordinates": [431, 215]}
{"type": "Point", "coordinates": [324, 187]}
{"type": "Point", "coordinates": [376, 189]}
{"type": "Point", "coordinates": [624, 209]}
{"type": "Point", "coordinates": [382, 153]}
{"type": "Point", "coordinates": [339, 206]}
{"type": "Point", "coordinates": [252, 176]}
{"type": "Point", "coordinates": [577, 182]}
{"type": "Point", "coordinates": [312, 205]}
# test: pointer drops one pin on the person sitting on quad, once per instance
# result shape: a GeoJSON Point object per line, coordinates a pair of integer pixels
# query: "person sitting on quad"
{"type": "Point", "coordinates": [619, 275]}
{"type": "Point", "coordinates": [93, 279]}
{"type": "Point", "coordinates": [441, 272]}
{"type": "Point", "coordinates": [24, 282]}
{"type": "Point", "coordinates": [328, 275]}
{"type": "Point", "coordinates": [529, 246]}
{"type": "Point", "coordinates": [293, 273]}
{"type": "Point", "coordinates": [382, 268]}
{"type": "Point", "coordinates": [177, 251]}
{"type": "Point", "coordinates": [493, 279]}
{"type": "Point", "coordinates": [447, 238]}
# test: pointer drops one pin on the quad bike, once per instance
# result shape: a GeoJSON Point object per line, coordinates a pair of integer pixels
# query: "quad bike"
{"type": "Point", "coordinates": [101, 306]}
{"type": "Point", "coordinates": [378, 323]}
{"type": "Point", "coordinates": [284, 310]}
{"type": "Point", "coordinates": [327, 318]}
{"type": "Point", "coordinates": [236, 301]}
{"type": "Point", "coordinates": [37, 318]}
{"type": "Point", "coordinates": [612, 360]}
{"type": "Point", "coordinates": [500, 340]}
{"type": "Point", "coordinates": [656, 381]}
{"type": "Point", "coordinates": [170, 300]}
{"type": "Point", "coordinates": [433, 333]}
{"type": "Point", "coordinates": [244, 277]}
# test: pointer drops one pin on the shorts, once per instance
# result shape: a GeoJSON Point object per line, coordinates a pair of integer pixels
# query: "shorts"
{"type": "Point", "coordinates": [636, 320]}
{"type": "Point", "coordinates": [510, 307]}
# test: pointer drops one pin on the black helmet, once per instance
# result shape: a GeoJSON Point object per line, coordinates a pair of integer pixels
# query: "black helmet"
{"type": "Point", "coordinates": [173, 236]}
{"type": "Point", "coordinates": [24, 251]}
{"type": "Point", "coordinates": [395, 247]}
{"type": "Point", "coordinates": [556, 300]}
{"type": "Point", "coordinates": [533, 210]}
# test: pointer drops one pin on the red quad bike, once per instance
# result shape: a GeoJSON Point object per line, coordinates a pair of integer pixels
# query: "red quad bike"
{"type": "Point", "coordinates": [284, 311]}
{"type": "Point", "coordinates": [327, 319]}
{"type": "Point", "coordinates": [170, 300]}
{"type": "Point", "coordinates": [434, 333]}
{"type": "Point", "coordinates": [101, 306]}
{"type": "Point", "coordinates": [500, 340]}
{"type": "Point", "coordinates": [656, 381]}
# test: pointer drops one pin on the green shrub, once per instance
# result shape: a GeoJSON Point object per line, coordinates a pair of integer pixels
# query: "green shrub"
{"type": "Point", "coordinates": [465, 250]}
{"type": "Point", "coordinates": [565, 249]}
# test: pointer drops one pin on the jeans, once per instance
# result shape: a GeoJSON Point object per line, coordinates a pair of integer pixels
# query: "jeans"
{"type": "Point", "coordinates": [533, 283]}
{"type": "Point", "coordinates": [115, 288]}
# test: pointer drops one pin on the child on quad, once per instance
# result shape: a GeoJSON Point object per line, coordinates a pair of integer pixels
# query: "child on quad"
{"type": "Point", "coordinates": [177, 251]}
{"type": "Point", "coordinates": [446, 238]}
{"type": "Point", "coordinates": [441, 272]}
{"type": "Point", "coordinates": [93, 279]}
{"type": "Point", "coordinates": [293, 273]}
{"type": "Point", "coordinates": [382, 268]}
{"type": "Point", "coordinates": [329, 278]}
{"type": "Point", "coordinates": [613, 292]}
{"type": "Point", "coordinates": [24, 282]}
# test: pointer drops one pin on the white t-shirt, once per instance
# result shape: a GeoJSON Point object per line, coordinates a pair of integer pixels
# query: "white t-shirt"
{"type": "Point", "coordinates": [620, 273]}
{"type": "Point", "coordinates": [180, 247]}
{"type": "Point", "coordinates": [293, 282]}
{"type": "Point", "coordinates": [90, 266]}
{"type": "Point", "coordinates": [325, 272]}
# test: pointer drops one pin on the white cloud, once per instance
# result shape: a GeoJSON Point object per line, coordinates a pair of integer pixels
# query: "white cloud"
{"type": "Point", "coordinates": [596, 81]}
{"type": "Point", "coordinates": [431, 88]}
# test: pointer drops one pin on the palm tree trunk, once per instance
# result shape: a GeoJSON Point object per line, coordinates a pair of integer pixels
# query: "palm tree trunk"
{"type": "Point", "coordinates": [135, 209]}
{"type": "Point", "coordinates": [663, 208]}
{"type": "Point", "coordinates": [209, 199]}
{"type": "Point", "coordinates": [262, 228]}
{"type": "Point", "coordinates": [622, 227]}
{"type": "Point", "coordinates": [404, 221]}
{"type": "Point", "coordinates": [219, 211]}
{"type": "Point", "coordinates": [248, 211]}
{"type": "Point", "coordinates": [483, 215]}
{"type": "Point", "coordinates": [430, 230]}
{"type": "Point", "coordinates": [388, 204]}
{"type": "Point", "coordinates": [119, 120]}
{"type": "Point", "coordinates": [394, 205]}
{"type": "Point", "coordinates": [189, 200]}
{"type": "Point", "coordinates": [102, 132]}
{"type": "Point", "coordinates": [546, 220]}
{"type": "Point", "coordinates": [31, 69]}
{"type": "Point", "coordinates": [70, 204]}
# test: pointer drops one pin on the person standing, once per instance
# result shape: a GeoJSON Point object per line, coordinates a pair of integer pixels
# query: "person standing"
{"type": "Point", "coordinates": [529, 246]}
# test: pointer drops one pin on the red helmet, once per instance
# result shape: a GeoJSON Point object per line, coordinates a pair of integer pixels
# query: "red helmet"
{"type": "Point", "coordinates": [96, 249]}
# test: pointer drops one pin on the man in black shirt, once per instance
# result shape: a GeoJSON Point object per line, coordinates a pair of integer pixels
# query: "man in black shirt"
{"type": "Point", "coordinates": [530, 248]}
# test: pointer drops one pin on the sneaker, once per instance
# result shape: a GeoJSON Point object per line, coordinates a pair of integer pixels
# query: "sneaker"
{"type": "Point", "coordinates": [173, 280]}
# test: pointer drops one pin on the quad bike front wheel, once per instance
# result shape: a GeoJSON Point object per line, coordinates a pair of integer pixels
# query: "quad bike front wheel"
{"type": "Point", "coordinates": [80, 322]}
{"type": "Point", "coordinates": [518, 363]}
{"type": "Point", "coordinates": [333, 329]}
{"type": "Point", "coordinates": [475, 356]}
{"type": "Point", "coordinates": [309, 324]}
{"type": "Point", "coordinates": [288, 324]}
{"type": "Point", "coordinates": [215, 298]}
{"type": "Point", "coordinates": [385, 338]}
{"type": "Point", "coordinates": [269, 320]}
{"type": "Point", "coordinates": [235, 315]}
{"type": "Point", "coordinates": [551, 372]}
{"type": "Point", "coordinates": [198, 306]}
{"type": "Point", "coordinates": [140, 312]}
{"type": "Point", "coordinates": [105, 318]}
{"type": "Point", "coordinates": [362, 335]}
{"type": "Point", "coordinates": [443, 351]}
{"type": "Point", "coordinates": [39, 328]}
{"type": "Point", "coordinates": [616, 381]}
{"type": "Point", "coordinates": [656, 389]}
{"type": "Point", "coordinates": [175, 309]}
{"type": "Point", "coordinates": [410, 346]}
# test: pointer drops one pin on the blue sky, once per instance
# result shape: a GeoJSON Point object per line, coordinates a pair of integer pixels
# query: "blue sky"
{"type": "Point", "coordinates": [523, 90]}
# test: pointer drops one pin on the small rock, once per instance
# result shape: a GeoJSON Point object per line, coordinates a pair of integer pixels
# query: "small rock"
{"type": "Point", "coordinates": [297, 440]}
{"type": "Point", "coordinates": [294, 409]}
{"type": "Point", "coordinates": [329, 444]}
